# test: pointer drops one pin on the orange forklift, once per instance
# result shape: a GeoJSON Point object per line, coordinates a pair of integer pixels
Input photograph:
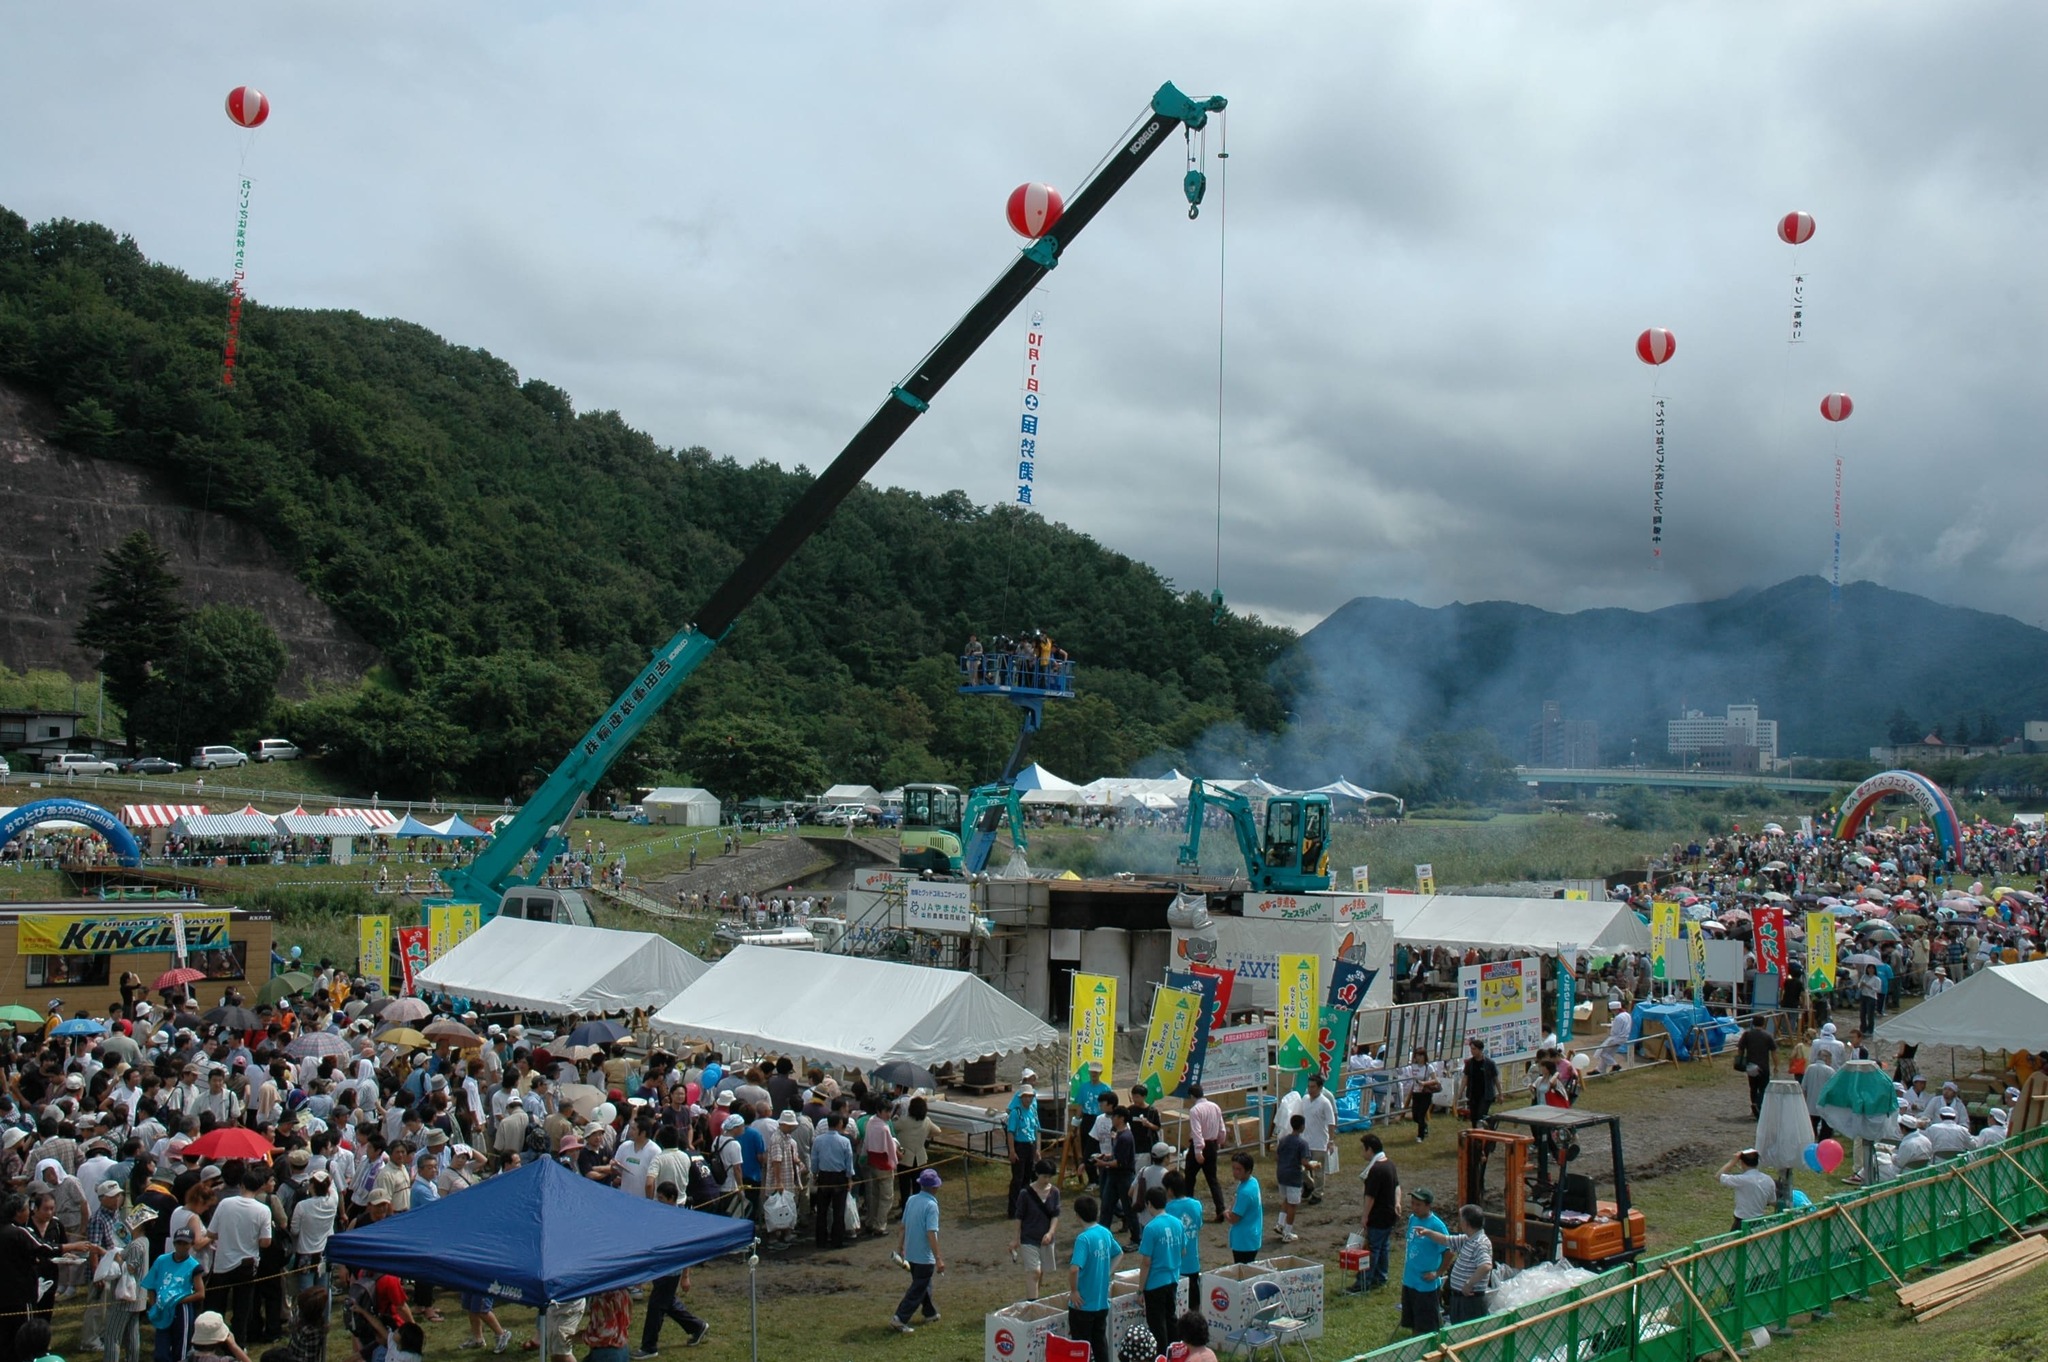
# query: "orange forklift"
{"type": "Point", "coordinates": [1525, 1170]}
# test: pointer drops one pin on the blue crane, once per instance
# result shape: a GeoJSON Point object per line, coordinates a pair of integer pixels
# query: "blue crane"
{"type": "Point", "coordinates": [541, 826]}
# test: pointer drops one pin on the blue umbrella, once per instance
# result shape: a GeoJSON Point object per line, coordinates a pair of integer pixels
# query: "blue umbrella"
{"type": "Point", "coordinates": [80, 1026]}
{"type": "Point", "coordinates": [597, 1033]}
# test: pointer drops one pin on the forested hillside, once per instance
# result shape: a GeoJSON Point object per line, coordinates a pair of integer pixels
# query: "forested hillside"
{"type": "Point", "coordinates": [515, 560]}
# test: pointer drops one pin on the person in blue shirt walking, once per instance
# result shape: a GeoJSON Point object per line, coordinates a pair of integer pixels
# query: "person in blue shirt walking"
{"type": "Point", "coordinates": [1089, 1268]}
{"type": "Point", "coordinates": [1159, 1246]}
{"type": "Point", "coordinates": [1247, 1213]}
{"type": "Point", "coordinates": [921, 1249]}
{"type": "Point", "coordinates": [1021, 1124]}
{"type": "Point", "coordinates": [1187, 1208]}
{"type": "Point", "coordinates": [1421, 1286]}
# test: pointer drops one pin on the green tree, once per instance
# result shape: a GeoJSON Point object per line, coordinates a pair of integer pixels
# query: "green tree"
{"type": "Point", "coordinates": [1902, 728]}
{"type": "Point", "coordinates": [218, 680]}
{"type": "Point", "coordinates": [133, 617]}
{"type": "Point", "coordinates": [382, 739]}
{"type": "Point", "coordinates": [736, 756]}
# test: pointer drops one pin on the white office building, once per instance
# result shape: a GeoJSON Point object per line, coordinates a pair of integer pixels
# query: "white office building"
{"type": "Point", "coordinates": [1696, 732]}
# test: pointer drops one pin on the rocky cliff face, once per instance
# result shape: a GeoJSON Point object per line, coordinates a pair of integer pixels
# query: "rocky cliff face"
{"type": "Point", "coordinates": [59, 512]}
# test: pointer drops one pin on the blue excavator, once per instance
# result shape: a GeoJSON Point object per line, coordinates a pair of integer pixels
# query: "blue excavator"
{"type": "Point", "coordinates": [1291, 855]}
{"type": "Point", "coordinates": [541, 826]}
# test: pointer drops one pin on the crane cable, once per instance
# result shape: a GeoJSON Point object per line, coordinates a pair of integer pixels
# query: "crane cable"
{"type": "Point", "coordinates": [1222, 233]}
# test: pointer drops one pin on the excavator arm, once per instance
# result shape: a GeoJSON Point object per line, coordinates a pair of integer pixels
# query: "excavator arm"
{"type": "Point", "coordinates": [541, 825]}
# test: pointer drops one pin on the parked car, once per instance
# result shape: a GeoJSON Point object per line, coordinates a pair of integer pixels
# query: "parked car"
{"type": "Point", "coordinates": [627, 813]}
{"type": "Point", "coordinates": [844, 816]}
{"type": "Point", "coordinates": [152, 766]}
{"type": "Point", "coordinates": [208, 758]}
{"type": "Point", "coordinates": [276, 749]}
{"type": "Point", "coordinates": [80, 764]}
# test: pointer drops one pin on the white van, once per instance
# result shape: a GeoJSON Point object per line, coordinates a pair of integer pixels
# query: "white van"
{"type": "Point", "coordinates": [276, 749]}
{"type": "Point", "coordinates": [207, 758]}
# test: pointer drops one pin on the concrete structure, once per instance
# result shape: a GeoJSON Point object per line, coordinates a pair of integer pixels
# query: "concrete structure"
{"type": "Point", "coordinates": [1572, 744]}
{"type": "Point", "coordinates": [1715, 742]}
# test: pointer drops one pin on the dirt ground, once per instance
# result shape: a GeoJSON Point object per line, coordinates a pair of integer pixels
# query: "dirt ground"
{"type": "Point", "coordinates": [1680, 1123]}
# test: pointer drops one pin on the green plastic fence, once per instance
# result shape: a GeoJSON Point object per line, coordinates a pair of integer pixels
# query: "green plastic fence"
{"type": "Point", "coordinates": [1794, 1264]}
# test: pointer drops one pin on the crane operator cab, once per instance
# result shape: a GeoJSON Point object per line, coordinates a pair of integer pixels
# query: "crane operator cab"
{"type": "Point", "coordinates": [1298, 834]}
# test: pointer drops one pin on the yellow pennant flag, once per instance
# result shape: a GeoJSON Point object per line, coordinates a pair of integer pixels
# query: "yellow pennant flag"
{"type": "Point", "coordinates": [1093, 1039]}
{"type": "Point", "coordinates": [1176, 1012]}
{"type": "Point", "coordinates": [1664, 929]}
{"type": "Point", "coordinates": [373, 950]}
{"type": "Point", "coordinates": [1821, 964]}
{"type": "Point", "coordinates": [1301, 997]}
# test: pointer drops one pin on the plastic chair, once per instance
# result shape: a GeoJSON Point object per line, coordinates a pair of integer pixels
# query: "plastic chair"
{"type": "Point", "coordinates": [1269, 1329]}
{"type": "Point", "coordinates": [1060, 1348]}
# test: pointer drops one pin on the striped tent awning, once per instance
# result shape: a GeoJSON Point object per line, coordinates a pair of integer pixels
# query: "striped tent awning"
{"type": "Point", "coordinates": [376, 818]}
{"type": "Point", "coordinates": [157, 815]}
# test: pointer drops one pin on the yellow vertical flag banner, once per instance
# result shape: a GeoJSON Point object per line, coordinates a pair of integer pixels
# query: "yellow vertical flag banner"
{"type": "Point", "coordinates": [1664, 920]}
{"type": "Point", "coordinates": [1821, 964]}
{"type": "Point", "coordinates": [373, 950]}
{"type": "Point", "coordinates": [1425, 879]}
{"type": "Point", "coordinates": [1093, 1040]}
{"type": "Point", "coordinates": [1696, 957]}
{"type": "Point", "coordinates": [1301, 997]}
{"type": "Point", "coordinates": [1169, 1039]}
{"type": "Point", "coordinates": [451, 924]}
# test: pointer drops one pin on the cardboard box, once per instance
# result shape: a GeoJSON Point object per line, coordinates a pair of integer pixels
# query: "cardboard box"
{"type": "Point", "coordinates": [1126, 1306]}
{"type": "Point", "coordinates": [1229, 1293]}
{"type": "Point", "coordinates": [1301, 1287]}
{"type": "Point", "coordinates": [1016, 1333]}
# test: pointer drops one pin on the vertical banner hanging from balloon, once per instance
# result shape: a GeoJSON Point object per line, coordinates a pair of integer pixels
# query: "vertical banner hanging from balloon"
{"type": "Point", "coordinates": [1207, 985]}
{"type": "Point", "coordinates": [1654, 347]}
{"type": "Point", "coordinates": [1769, 925]}
{"type": "Point", "coordinates": [415, 953]}
{"type": "Point", "coordinates": [233, 344]}
{"type": "Point", "coordinates": [247, 108]}
{"type": "Point", "coordinates": [1835, 409]}
{"type": "Point", "coordinates": [1030, 426]}
{"type": "Point", "coordinates": [1300, 1011]}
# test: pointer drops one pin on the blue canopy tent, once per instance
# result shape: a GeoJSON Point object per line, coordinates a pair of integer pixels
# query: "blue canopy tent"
{"type": "Point", "coordinates": [531, 1236]}
{"type": "Point", "coordinates": [412, 827]}
{"type": "Point", "coordinates": [453, 826]}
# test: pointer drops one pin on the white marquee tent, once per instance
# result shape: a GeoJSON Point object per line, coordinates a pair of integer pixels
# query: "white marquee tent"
{"type": "Point", "coordinates": [851, 794]}
{"type": "Point", "coordinates": [846, 1010]}
{"type": "Point", "coordinates": [2001, 1008]}
{"type": "Point", "coordinates": [557, 967]}
{"type": "Point", "coordinates": [1467, 921]}
{"type": "Point", "coordinates": [225, 825]}
{"type": "Point", "coordinates": [685, 805]}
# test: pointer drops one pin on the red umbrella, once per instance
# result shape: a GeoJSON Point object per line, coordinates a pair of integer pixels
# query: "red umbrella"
{"type": "Point", "coordinates": [178, 978]}
{"type": "Point", "coordinates": [230, 1142]}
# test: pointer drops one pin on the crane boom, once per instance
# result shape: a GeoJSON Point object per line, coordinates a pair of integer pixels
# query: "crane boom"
{"type": "Point", "coordinates": [541, 825]}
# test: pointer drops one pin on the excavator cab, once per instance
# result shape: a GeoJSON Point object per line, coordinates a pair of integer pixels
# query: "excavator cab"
{"type": "Point", "coordinates": [1298, 834]}
{"type": "Point", "coordinates": [930, 837]}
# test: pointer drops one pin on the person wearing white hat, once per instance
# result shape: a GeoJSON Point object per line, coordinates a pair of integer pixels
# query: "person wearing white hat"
{"type": "Point", "coordinates": [1994, 1129]}
{"type": "Point", "coordinates": [1949, 1133]}
{"type": "Point", "coordinates": [1021, 1126]}
{"type": "Point", "coordinates": [727, 1159]}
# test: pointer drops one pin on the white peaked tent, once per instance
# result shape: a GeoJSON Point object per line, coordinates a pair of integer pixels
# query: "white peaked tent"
{"type": "Point", "coordinates": [557, 967]}
{"type": "Point", "coordinates": [1341, 788]}
{"type": "Point", "coordinates": [851, 794]}
{"type": "Point", "coordinates": [846, 1010]}
{"type": "Point", "coordinates": [1472, 921]}
{"type": "Point", "coordinates": [2001, 1008]}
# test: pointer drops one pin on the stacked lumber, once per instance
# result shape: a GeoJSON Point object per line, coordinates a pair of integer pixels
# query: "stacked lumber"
{"type": "Point", "coordinates": [1946, 1290]}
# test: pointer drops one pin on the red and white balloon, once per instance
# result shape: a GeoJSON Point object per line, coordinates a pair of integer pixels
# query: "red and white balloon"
{"type": "Point", "coordinates": [248, 106]}
{"type": "Point", "coordinates": [1033, 209]}
{"type": "Point", "coordinates": [1795, 229]}
{"type": "Point", "coordinates": [1836, 406]}
{"type": "Point", "coordinates": [1656, 345]}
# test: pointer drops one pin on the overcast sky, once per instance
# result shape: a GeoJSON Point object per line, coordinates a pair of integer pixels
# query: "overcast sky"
{"type": "Point", "coordinates": [739, 225]}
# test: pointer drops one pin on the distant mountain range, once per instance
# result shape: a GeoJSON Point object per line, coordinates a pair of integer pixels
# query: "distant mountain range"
{"type": "Point", "coordinates": [1835, 678]}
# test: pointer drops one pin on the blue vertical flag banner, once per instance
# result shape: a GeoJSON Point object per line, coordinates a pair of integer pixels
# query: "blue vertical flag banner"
{"type": "Point", "coordinates": [1206, 985]}
{"type": "Point", "coordinates": [1349, 981]}
{"type": "Point", "coordinates": [1027, 438]}
{"type": "Point", "coordinates": [1567, 992]}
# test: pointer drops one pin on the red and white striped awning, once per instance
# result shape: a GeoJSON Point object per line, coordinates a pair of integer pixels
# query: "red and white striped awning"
{"type": "Point", "coordinates": [376, 818]}
{"type": "Point", "coordinates": [157, 815]}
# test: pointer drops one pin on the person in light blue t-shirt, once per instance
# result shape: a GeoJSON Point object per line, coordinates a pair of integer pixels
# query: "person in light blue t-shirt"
{"type": "Point", "coordinates": [1247, 1214]}
{"type": "Point", "coordinates": [1159, 1248]}
{"type": "Point", "coordinates": [1421, 1292]}
{"type": "Point", "coordinates": [921, 1250]}
{"type": "Point", "coordinates": [1188, 1210]}
{"type": "Point", "coordinates": [1089, 1268]}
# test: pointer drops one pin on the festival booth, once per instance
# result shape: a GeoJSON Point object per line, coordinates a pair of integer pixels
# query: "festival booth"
{"type": "Point", "coordinates": [557, 967]}
{"type": "Point", "coordinates": [379, 820]}
{"type": "Point", "coordinates": [849, 1011]}
{"type": "Point", "coordinates": [1540, 926]}
{"type": "Point", "coordinates": [681, 806]}
{"type": "Point", "coordinates": [2002, 1008]}
{"type": "Point", "coordinates": [241, 837]}
{"type": "Point", "coordinates": [538, 1235]}
{"type": "Point", "coordinates": [339, 832]}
